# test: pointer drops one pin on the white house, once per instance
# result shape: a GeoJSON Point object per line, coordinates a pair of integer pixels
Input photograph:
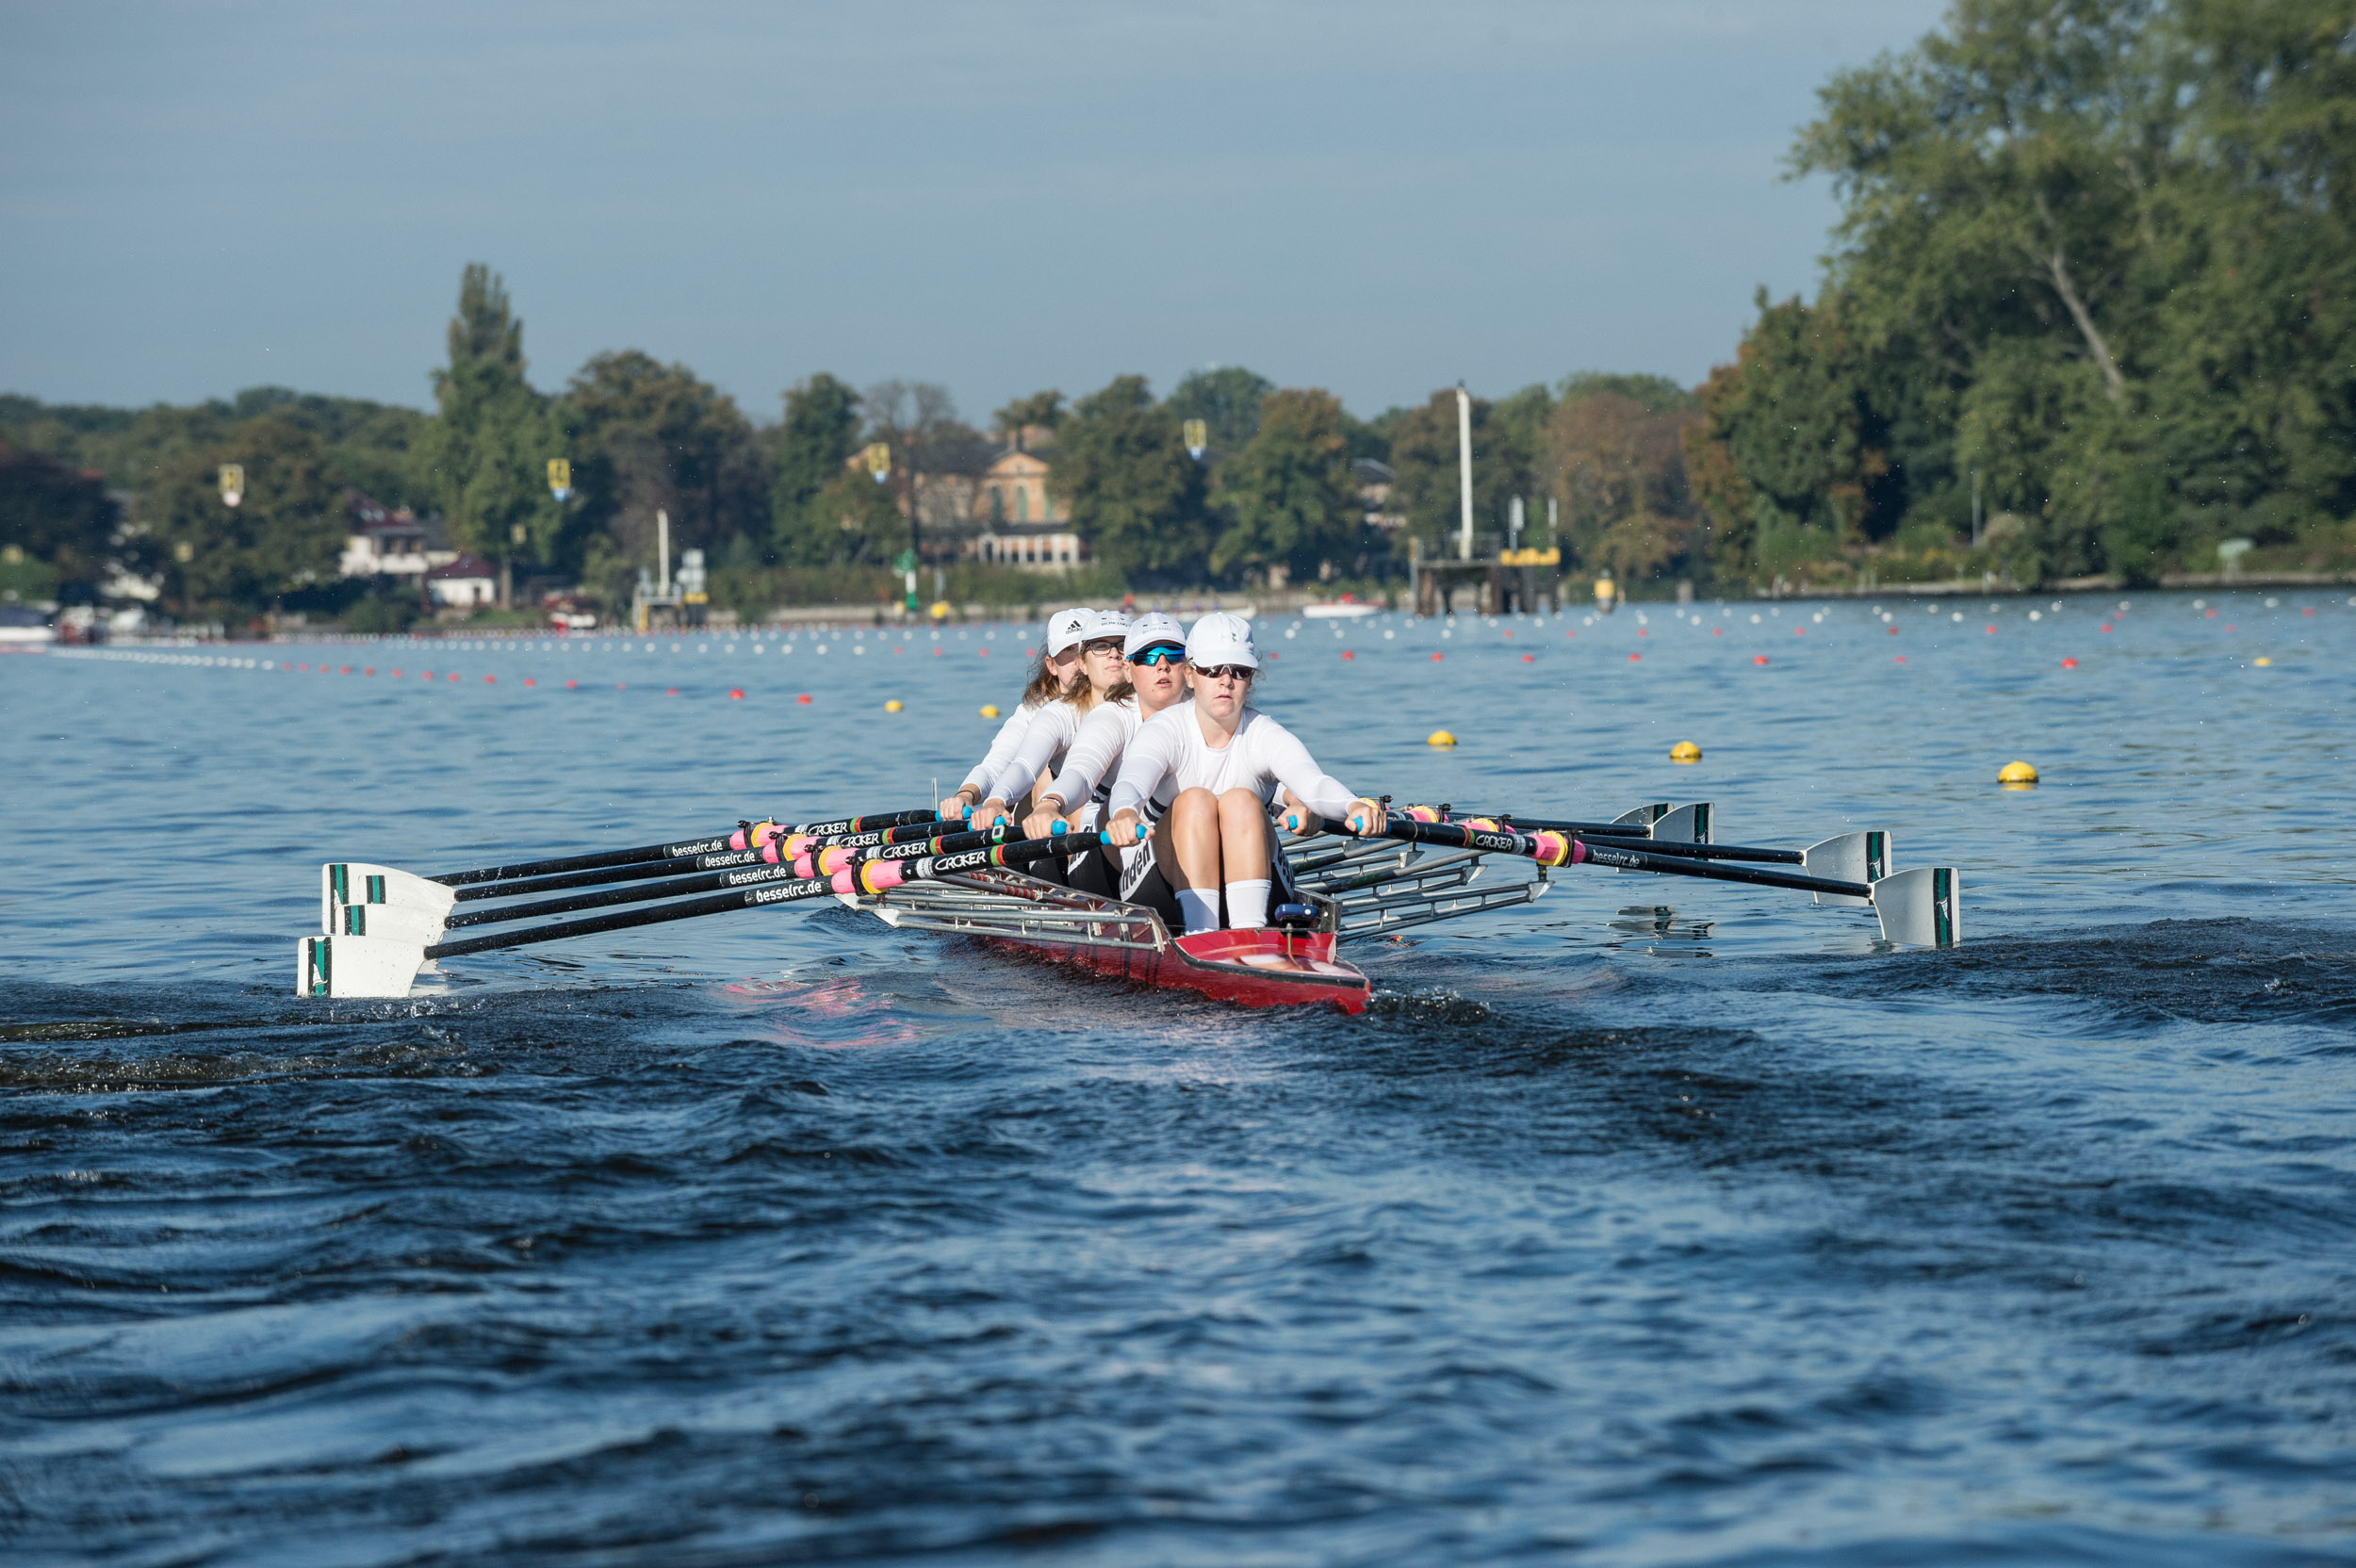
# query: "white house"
{"type": "Point", "coordinates": [465, 582]}
{"type": "Point", "coordinates": [385, 543]}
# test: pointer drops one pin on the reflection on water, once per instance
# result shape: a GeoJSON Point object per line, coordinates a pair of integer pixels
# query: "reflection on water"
{"type": "Point", "coordinates": [1655, 1222]}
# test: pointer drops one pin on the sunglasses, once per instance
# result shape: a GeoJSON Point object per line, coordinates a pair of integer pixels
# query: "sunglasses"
{"type": "Point", "coordinates": [1161, 654]}
{"type": "Point", "coordinates": [1225, 672]}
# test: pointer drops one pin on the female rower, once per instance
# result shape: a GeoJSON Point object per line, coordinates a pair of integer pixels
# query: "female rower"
{"type": "Point", "coordinates": [1155, 652]}
{"type": "Point", "coordinates": [1054, 724]}
{"type": "Point", "coordinates": [1058, 661]}
{"type": "Point", "coordinates": [1221, 761]}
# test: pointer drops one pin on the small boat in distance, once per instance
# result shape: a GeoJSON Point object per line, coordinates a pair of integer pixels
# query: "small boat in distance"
{"type": "Point", "coordinates": [1350, 607]}
{"type": "Point", "coordinates": [24, 629]}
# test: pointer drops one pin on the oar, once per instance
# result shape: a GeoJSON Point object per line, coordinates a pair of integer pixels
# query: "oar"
{"type": "Point", "coordinates": [1921, 908]}
{"type": "Point", "coordinates": [344, 884]}
{"type": "Point", "coordinates": [749, 835]}
{"type": "Point", "coordinates": [767, 855]}
{"type": "Point", "coordinates": [1620, 833]}
{"type": "Point", "coordinates": [416, 924]}
{"type": "Point", "coordinates": [333, 966]}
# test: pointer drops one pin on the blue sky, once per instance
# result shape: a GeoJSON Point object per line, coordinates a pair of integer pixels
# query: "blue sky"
{"type": "Point", "coordinates": [1376, 198]}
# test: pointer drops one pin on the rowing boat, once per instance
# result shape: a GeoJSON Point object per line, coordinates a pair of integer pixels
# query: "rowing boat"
{"type": "Point", "coordinates": [380, 925]}
{"type": "Point", "coordinates": [1279, 966]}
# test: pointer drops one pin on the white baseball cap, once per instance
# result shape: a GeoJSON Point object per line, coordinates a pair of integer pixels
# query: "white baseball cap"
{"type": "Point", "coordinates": [1149, 629]}
{"type": "Point", "coordinates": [1108, 623]}
{"type": "Point", "coordinates": [1068, 628]}
{"type": "Point", "coordinates": [1220, 638]}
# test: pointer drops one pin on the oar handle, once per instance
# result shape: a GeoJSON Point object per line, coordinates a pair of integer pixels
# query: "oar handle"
{"type": "Point", "coordinates": [684, 849]}
{"type": "Point", "coordinates": [754, 889]}
{"type": "Point", "coordinates": [1549, 848]}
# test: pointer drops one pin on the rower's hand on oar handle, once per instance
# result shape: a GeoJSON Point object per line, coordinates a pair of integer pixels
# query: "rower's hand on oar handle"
{"type": "Point", "coordinates": [1047, 819]}
{"type": "Point", "coordinates": [1300, 823]}
{"type": "Point", "coordinates": [957, 806]}
{"type": "Point", "coordinates": [1124, 829]}
{"type": "Point", "coordinates": [989, 814]}
{"type": "Point", "coordinates": [1368, 817]}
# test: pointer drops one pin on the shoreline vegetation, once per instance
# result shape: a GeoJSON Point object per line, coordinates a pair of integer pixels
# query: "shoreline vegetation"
{"type": "Point", "coordinates": [2089, 317]}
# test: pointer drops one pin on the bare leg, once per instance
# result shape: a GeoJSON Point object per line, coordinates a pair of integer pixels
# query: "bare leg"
{"type": "Point", "coordinates": [1243, 830]}
{"type": "Point", "coordinates": [1190, 850]}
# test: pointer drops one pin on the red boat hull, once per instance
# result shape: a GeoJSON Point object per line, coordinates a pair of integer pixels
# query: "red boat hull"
{"type": "Point", "coordinates": [1265, 968]}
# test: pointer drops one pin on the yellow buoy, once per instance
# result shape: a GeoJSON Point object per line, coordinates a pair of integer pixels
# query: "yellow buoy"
{"type": "Point", "coordinates": [2262, 663]}
{"type": "Point", "coordinates": [2016, 773]}
{"type": "Point", "coordinates": [990, 710]}
{"type": "Point", "coordinates": [1440, 738]}
{"type": "Point", "coordinates": [892, 707]}
{"type": "Point", "coordinates": [1685, 751]}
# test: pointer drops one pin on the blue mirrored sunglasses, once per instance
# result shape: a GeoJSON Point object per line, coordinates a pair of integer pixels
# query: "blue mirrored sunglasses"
{"type": "Point", "coordinates": [1160, 653]}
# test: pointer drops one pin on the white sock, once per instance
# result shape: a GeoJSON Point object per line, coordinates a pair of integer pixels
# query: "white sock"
{"type": "Point", "coordinates": [1247, 904]}
{"type": "Point", "coordinates": [1200, 910]}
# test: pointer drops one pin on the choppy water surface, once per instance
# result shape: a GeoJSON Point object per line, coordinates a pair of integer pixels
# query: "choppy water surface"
{"type": "Point", "coordinates": [776, 1236]}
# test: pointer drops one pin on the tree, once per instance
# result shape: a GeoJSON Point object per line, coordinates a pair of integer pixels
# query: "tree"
{"type": "Point", "coordinates": [1133, 493]}
{"type": "Point", "coordinates": [868, 526]}
{"type": "Point", "coordinates": [658, 437]}
{"type": "Point", "coordinates": [57, 517]}
{"type": "Point", "coordinates": [485, 459]}
{"type": "Point", "coordinates": [1620, 474]}
{"type": "Point", "coordinates": [1807, 465]}
{"type": "Point", "coordinates": [1228, 401]}
{"type": "Point", "coordinates": [816, 441]}
{"type": "Point", "coordinates": [1424, 459]}
{"type": "Point", "coordinates": [1289, 495]}
{"type": "Point", "coordinates": [1039, 411]}
{"type": "Point", "coordinates": [284, 533]}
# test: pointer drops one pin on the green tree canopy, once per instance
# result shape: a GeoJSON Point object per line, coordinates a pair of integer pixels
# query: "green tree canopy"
{"type": "Point", "coordinates": [1289, 496]}
{"type": "Point", "coordinates": [2094, 253]}
{"type": "Point", "coordinates": [820, 434]}
{"type": "Point", "coordinates": [1121, 468]}
{"type": "Point", "coordinates": [658, 436]}
{"type": "Point", "coordinates": [1424, 458]}
{"type": "Point", "coordinates": [1622, 483]}
{"type": "Point", "coordinates": [1039, 411]}
{"type": "Point", "coordinates": [483, 460]}
{"type": "Point", "coordinates": [284, 535]}
{"type": "Point", "coordinates": [1228, 401]}
{"type": "Point", "coordinates": [58, 517]}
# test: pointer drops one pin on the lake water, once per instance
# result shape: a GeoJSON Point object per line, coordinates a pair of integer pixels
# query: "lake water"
{"type": "Point", "coordinates": [779, 1237]}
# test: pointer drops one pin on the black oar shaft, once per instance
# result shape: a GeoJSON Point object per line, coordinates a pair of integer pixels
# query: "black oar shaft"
{"type": "Point", "coordinates": [1514, 842]}
{"type": "Point", "coordinates": [1633, 860]}
{"type": "Point", "coordinates": [746, 870]}
{"type": "Point", "coordinates": [918, 832]}
{"type": "Point", "coordinates": [681, 850]}
{"type": "Point", "coordinates": [1021, 852]}
{"type": "Point", "coordinates": [1692, 852]}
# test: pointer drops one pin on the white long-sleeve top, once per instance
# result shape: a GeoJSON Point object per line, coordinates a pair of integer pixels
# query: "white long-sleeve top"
{"type": "Point", "coordinates": [1168, 753]}
{"type": "Point", "coordinates": [1041, 746]}
{"type": "Point", "coordinates": [1093, 760]}
{"type": "Point", "coordinates": [1002, 747]}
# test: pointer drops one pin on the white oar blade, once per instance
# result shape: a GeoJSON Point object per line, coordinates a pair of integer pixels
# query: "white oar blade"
{"type": "Point", "coordinates": [399, 923]}
{"type": "Point", "coordinates": [1851, 857]}
{"type": "Point", "coordinates": [1643, 816]}
{"type": "Point", "coordinates": [356, 966]}
{"type": "Point", "coordinates": [1922, 907]}
{"type": "Point", "coordinates": [355, 882]}
{"type": "Point", "coordinates": [1687, 824]}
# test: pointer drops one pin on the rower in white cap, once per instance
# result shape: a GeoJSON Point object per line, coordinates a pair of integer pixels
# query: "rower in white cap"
{"type": "Point", "coordinates": [1221, 762]}
{"type": "Point", "coordinates": [1155, 654]}
{"type": "Point", "coordinates": [1054, 724]}
{"type": "Point", "coordinates": [1058, 661]}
